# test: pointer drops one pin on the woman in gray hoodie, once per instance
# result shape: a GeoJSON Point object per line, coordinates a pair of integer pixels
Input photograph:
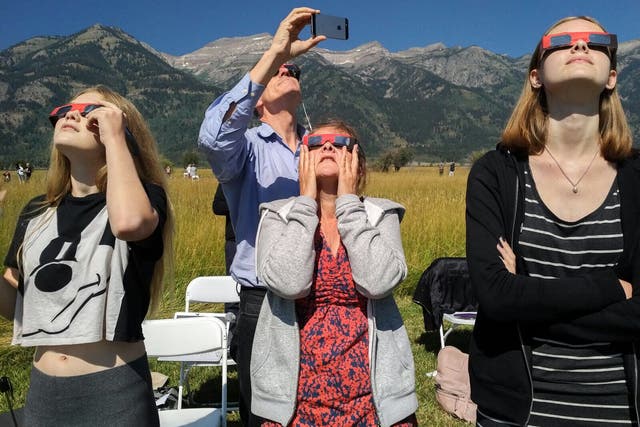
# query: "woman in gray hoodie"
{"type": "Point", "coordinates": [330, 347]}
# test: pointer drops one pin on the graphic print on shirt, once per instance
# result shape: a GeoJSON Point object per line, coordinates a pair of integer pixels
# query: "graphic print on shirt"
{"type": "Point", "coordinates": [68, 280]}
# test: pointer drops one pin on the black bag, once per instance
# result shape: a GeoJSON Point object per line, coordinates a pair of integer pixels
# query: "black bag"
{"type": "Point", "coordinates": [444, 287]}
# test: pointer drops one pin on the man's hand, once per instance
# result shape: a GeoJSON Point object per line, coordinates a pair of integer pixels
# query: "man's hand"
{"type": "Point", "coordinates": [285, 45]}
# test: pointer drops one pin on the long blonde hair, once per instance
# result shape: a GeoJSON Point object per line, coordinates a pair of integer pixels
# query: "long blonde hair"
{"type": "Point", "coordinates": [149, 170]}
{"type": "Point", "coordinates": [526, 130]}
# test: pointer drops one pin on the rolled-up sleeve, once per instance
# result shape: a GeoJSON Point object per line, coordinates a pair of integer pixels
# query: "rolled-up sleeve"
{"type": "Point", "coordinates": [224, 142]}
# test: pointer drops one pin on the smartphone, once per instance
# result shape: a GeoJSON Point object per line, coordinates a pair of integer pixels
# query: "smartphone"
{"type": "Point", "coordinates": [334, 27]}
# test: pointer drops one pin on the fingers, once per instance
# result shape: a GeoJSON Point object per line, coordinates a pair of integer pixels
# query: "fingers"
{"type": "Point", "coordinates": [286, 40]}
{"type": "Point", "coordinates": [306, 172]}
{"type": "Point", "coordinates": [347, 175]}
{"type": "Point", "coordinates": [110, 122]}
{"type": "Point", "coordinates": [507, 256]}
{"type": "Point", "coordinates": [306, 45]}
{"type": "Point", "coordinates": [355, 160]}
{"type": "Point", "coordinates": [627, 288]}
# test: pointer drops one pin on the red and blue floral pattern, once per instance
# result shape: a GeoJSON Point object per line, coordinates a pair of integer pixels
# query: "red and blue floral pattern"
{"type": "Point", "coordinates": [334, 385]}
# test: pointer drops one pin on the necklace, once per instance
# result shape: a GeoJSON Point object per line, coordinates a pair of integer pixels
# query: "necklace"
{"type": "Point", "coordinates": [574, 185]}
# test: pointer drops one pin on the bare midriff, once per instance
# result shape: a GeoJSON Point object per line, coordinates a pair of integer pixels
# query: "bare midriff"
{"type": "Point", "coordinates": [81, 359]}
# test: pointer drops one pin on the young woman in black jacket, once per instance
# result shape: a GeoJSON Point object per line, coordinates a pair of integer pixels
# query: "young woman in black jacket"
{"type": "Point", "coordinates": [552, 245]}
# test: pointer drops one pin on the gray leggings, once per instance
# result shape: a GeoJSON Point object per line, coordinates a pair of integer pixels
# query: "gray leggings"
{"type": "Point", "coordinates": [120, 396]}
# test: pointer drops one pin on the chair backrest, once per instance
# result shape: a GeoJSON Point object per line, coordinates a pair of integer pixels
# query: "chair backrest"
{"type": "Point", "coordinates": [212, 289]}
{"type": "Point", "coordinates": [444, 287]}
{"type": "Point", "coordinates": [185, 336]}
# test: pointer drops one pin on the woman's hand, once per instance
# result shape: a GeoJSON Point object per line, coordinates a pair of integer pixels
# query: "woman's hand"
{"type": "Point", "coordinates": [307, 173]}
{"type": "Point", "coordinates": [110, 122]}
{"type": "Point", "coordinates": [627, 288]}
{"type": "Point", "coordinates": [348, 171]}
{"type": "Point", "coordinates": [506, 255]}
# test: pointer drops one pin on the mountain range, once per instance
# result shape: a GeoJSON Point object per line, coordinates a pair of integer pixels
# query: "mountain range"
{"type": "Point", "coordinates": [442, 102]}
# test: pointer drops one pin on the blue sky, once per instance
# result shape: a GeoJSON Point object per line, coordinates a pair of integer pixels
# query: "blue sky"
{"type": "Point", "coordinates": [511, 27]}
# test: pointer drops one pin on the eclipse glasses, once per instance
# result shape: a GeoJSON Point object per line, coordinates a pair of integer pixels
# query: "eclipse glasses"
{"type": "Point", "coordinates": [84, 109]}
{"type": "Point", "coordinates": [292, 70]}
{"type": "Point", "coordinates": [61, 111]}
{"type": "Point", "coordinates": [337, 140]}
{"type": "Point", "coordinates": [568, 39]}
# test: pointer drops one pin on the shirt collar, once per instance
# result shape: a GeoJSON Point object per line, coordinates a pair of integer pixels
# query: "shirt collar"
{"type": "Point", "coordinates": [266, 131]}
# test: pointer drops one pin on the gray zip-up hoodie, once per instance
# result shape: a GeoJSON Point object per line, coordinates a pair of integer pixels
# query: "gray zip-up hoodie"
{"type": "Point", "coordinates": [285, 257]}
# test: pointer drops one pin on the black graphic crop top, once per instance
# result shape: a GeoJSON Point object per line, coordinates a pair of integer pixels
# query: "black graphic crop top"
{"type": "Point", "coordinates": [78, 283]}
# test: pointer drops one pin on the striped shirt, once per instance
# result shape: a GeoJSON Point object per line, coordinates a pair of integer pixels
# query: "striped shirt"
{"type": "Point", "coordinates": [574, 383]}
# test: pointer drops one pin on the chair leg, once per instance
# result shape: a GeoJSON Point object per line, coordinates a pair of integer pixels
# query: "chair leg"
{"type": "Point", "coordinates": [180, 386]}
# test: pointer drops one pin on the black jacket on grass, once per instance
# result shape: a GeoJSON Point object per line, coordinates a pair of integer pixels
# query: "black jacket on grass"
{"type": "Point", "coordinates": [589, 308]}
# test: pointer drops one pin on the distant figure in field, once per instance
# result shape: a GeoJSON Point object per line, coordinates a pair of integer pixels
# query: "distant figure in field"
{"type": "Point", "coordinates": [6, 176]}
{"type": "Point", "coordinates": [452, 168]}
{"type": "Point", "coordinates": [167, 170]}
{"type": "Point", "coordinates": [20, 172]}
{"type": "Point", "coordinates": [27, 171]}
{"type": "Point", "coordinates": [440, 168]}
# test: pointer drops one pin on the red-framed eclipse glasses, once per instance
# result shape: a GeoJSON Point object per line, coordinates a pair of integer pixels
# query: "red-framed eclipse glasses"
{"type": "Point", "coordinates": [337, 140]}
{"type": "Point", "coordinates": [61, 111]}
{"type": "Point", "coordinates": [84, 109]}
{"type": "Point", "coordinates": [568, 39]}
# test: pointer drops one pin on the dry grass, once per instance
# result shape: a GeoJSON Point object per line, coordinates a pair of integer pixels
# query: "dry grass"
{"type": "Point", "coordinates": [433, 226]}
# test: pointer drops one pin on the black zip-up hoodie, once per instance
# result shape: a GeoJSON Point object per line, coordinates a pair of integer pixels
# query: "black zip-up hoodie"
{"type": "Point", "coordinates": [589, 308]}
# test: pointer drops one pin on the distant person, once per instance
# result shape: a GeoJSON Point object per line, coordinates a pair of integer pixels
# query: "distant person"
{"type": "Point", "coordinates": [6, 176]}
{"type": "Point", "coordinates": [440, 168]}
{"type": "Point", "coordinates": [27, 172]}
{"type": "Point", "coordinates": [257, 165]}
{"type": "Point", "coordinates": [86, 262]}
{"type": "Point", "coordinates": [330, 338]}
{"type": "Point", "coordinates": [220, 207]}
{"type": "Point", "coordinates": [167, 170]}
{"type": "Point", "coordinates": [452, 168]}
{"type": "Point", "coordinates": [553, 245]}
{"type": "Point", "coordinates": [193, 172]}
{"type": "Point", "coordinates": [20, 172]}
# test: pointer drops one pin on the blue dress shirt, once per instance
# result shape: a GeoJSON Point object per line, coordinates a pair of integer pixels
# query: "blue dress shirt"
{"type": "Point", "coordinates": [253, 166]}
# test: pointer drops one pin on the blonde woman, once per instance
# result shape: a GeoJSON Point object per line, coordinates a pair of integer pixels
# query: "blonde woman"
{"type": "Point", "coordinates": [85, 264]}
{"type": "Point", "coordinates": [552, 245]}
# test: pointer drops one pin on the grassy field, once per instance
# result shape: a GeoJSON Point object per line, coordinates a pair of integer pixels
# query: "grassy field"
{"type": "Point", "coordinates": [433, 226]}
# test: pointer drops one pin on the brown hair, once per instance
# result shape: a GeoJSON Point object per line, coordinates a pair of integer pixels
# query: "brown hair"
{"type": "Point", "coordinates": [149, 170]}
{"type": "Point", "coordinates": [362, 160]}
{"type": "Point", "coordinates": [526, 130]}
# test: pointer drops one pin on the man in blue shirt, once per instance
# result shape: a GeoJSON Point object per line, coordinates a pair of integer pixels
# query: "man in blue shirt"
{"type": "Point", "coordinates": [257, 165]}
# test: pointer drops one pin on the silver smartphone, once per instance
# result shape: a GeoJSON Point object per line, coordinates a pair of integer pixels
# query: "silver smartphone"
{"type": "Point", "coordinates": [334, 27]}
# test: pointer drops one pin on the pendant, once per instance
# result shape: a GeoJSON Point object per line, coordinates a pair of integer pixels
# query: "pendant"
{"type": "Point", "coordinates": [575, 190]}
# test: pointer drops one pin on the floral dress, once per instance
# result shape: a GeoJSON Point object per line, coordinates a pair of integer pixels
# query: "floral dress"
{"type": "Point", "coordinates": [334, 384]}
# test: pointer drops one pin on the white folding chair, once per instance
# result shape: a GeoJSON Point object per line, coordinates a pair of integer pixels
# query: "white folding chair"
{"type": "Point", "coordinates": [458, 318]}
{"type": "Point", "coordinates": [210, 289]}
{"type": "Point", "coordinates": [186, 338]}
